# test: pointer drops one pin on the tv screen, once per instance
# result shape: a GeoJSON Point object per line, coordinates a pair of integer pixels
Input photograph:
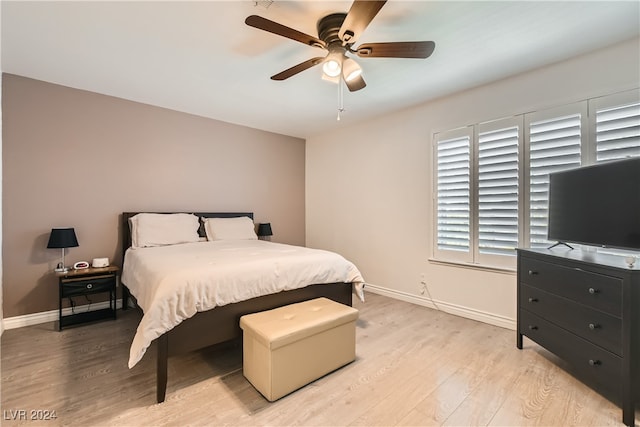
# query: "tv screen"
{"type": "Point", "coordinates": [597, 205]}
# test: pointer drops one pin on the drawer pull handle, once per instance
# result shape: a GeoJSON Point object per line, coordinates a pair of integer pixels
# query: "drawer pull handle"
{"type": "Point", "coordinates": [533, 327]}
{"type": "Point", "coordinates": [593, 326]}
{"type": "Point", "coordinates": [533, 299]}
{"type": "Point", "coordinates": [89, 286]}
{"type": "Point", "coordinates": [593, 362]}
{"type": "Point", "coordinates": [593, 291]}
{"type": "Point", "coordinates": [532, 272]}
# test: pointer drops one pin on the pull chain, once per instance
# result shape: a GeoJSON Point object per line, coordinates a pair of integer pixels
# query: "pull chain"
{"type": "Point", "coordinates": [340, 98]}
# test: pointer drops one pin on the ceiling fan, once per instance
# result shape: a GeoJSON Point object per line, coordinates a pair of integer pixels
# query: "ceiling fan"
{"type": "Point", "coordinates": [337, 33]}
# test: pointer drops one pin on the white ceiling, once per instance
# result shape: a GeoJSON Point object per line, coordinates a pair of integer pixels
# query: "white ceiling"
{"type": "Point", "coordinates": [199, 57]}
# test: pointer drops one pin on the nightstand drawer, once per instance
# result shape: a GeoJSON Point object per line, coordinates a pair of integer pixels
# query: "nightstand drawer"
{"type": "Point", "coordinates": [596, 290]}
{"type": "Point", "coordinates": [87, 286]}
{"type": "Point", "coordinates": [593, 325]}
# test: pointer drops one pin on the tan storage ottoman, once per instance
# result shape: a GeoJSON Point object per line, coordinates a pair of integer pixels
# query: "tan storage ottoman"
{"type": "Point", "coordinates": [288, 347]}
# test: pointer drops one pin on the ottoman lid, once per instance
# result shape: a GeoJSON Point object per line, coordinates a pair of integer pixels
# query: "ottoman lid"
{"type": "Point", "coordinates": [284, 325]}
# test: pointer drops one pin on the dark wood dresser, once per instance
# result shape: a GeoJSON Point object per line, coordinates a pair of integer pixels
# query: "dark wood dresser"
{"type": "Point", "coordinates": [585, 308]}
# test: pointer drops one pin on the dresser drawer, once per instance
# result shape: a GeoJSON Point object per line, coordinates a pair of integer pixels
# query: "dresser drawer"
{"type": "Point", "coordinates": [592, 362]}
{"type": "Point", "coordinates": [87, 286]}
{"type": "Point", "coordinates": [595, 290]}
{"type": "Point", "coordinates": [593, 325]}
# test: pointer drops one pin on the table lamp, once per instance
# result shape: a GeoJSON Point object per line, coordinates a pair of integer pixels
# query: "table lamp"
{"type": "Point", "coordinates": [264, 231]}
{"type": "Point", "coordinates": [62, 238]}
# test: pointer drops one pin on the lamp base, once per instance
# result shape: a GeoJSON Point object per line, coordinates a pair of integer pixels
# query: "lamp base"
{"type": "Point", "coordinates": [60, 268]}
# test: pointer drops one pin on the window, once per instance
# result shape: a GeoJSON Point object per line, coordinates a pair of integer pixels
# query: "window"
{"type": "Point", "coordinates": [492, 179]}
{"type": "Point", "coordinates": [554, 138]}
{"type": "Point", "coordinates": [498, 189]}
{"type": "Point", "coordinates": [616, 130]}
{"type": "Point", "coordinates": [453, 154]}
{"type": "Point", "coordinates": [477, 204]}
{"type": "Point", "coordinates": [617, 126]}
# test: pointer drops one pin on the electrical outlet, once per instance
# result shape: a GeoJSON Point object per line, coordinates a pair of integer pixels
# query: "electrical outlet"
{"type": "Point", "coordinates": [422, 286]}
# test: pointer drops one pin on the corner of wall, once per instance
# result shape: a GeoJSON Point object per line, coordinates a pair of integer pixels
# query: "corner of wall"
{"type": "Point", "coordinates": [1, 274]}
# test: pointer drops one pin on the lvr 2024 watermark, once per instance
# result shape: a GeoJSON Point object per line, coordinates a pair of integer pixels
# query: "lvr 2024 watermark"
{"type": "Point", "coordinates": [28, 415]}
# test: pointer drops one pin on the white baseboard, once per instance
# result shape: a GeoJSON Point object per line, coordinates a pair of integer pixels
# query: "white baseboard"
{"type": "Point", "coordinates": [52, 315]}
{"type": "Point", "coordinates": [469, 313]}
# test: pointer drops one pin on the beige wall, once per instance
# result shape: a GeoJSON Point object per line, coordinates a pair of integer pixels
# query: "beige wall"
{"type": "Point", "coordinates": [385, 217]}
{"type": "Point", "coordinates": [79, 159]}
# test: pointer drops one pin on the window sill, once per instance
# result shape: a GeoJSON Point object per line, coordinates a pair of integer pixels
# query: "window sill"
{"type": "Point", "coordinates": [480, 267]}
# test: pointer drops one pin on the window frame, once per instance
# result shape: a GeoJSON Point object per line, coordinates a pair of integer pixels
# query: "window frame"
{"type": "Point", "coordinates": [586, 108]}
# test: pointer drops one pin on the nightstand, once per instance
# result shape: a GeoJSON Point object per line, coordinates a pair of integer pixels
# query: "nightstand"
{"type": "Point", "coordinates": [88, 281]}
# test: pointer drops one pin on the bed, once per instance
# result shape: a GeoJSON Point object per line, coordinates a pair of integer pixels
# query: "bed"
{"type": "Point", "coordinates": [208, 326]}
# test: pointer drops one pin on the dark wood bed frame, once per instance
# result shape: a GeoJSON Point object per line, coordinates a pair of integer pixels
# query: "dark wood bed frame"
{"type": "Point", "coordinates": [221, 323]}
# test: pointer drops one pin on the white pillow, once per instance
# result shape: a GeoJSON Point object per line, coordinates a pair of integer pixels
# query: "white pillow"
{"type": "Point", "coordinates": [148, 229]}
{"type": "Point", "coordinates": [238, 228]}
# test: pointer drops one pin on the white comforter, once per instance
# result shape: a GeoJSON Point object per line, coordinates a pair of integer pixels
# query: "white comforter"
{"type": "Point", "coordinates": [172, 283]}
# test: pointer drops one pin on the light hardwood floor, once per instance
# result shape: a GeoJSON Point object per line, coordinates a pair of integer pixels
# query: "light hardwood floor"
{"type": "Point", "coordinates": [415, 367]}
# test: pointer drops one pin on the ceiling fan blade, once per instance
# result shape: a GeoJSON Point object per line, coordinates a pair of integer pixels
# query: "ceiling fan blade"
{"type": "Point", "coordinates": [358, 18]}
{"type": "Point", "coordinates": [284, 31]}
{"type": "Point", "coordinates": [355, 83]}
{"type": "Point", "coordinates": [396, 50]}
{"type": "Point", "coordinates": [297, 68]}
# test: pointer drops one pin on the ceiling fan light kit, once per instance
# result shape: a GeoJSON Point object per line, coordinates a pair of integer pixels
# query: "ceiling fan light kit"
{"type": "Point", "coordinates": [337, 33]}
{"type": "Point", "coordinates": [333, 64]}
{"type": "Point", "coordinates": [331, 68]}
{"type": "Point", "coordinates": [350, 69]}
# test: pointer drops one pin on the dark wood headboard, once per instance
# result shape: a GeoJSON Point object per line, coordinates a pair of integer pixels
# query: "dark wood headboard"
{"type": "Point", "coordinates": [126, 231]}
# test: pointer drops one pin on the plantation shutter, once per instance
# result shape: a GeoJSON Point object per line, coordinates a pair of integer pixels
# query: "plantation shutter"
{"type": "Point", "coordinates": [618, 132]}
{"type": "Point", "coordinates": [498, 191]}
{"type": "Point", "coordinates": [453, 193]}
{"type": "Point", "coordinates": [554, 145]}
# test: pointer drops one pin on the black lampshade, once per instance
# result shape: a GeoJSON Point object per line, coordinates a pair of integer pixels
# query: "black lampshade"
{"type": "Point", "coordinates": [264, 229]}
{"type": "Point", "coordinates": [62, 238]}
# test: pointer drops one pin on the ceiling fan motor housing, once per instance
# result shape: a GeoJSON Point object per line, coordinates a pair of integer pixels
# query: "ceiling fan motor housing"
{"type": "Point", "coordinates": [329, 27]}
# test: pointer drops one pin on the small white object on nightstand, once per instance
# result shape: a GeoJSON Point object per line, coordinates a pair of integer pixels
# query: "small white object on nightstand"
{"type": "Point", "coordinates": [630, 260]}
{"type": "Point", "coordinates": [100, 262]}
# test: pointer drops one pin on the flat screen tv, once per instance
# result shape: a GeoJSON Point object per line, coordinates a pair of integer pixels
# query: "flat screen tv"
{"type": "Point", "coordinates": [596, 205]}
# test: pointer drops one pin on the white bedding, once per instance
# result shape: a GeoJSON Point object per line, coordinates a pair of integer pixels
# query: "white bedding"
{"type": "Point", "coordinates": [172, 283]}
